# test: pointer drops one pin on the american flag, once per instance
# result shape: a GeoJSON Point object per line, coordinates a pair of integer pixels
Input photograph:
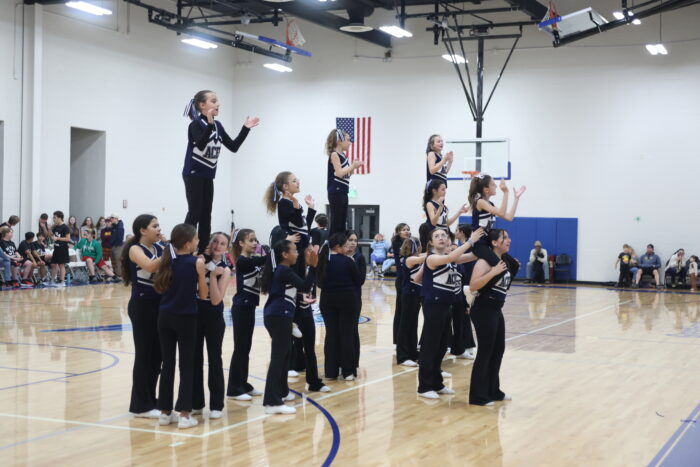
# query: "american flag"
{"type": "Point", "coordinates": [360, 131]}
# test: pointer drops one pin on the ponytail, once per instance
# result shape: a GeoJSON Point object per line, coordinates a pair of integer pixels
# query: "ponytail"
{"type": "Point", "coordinates": [141, 222]}
{"type": "Point", "coordinates": [179, 237]}
{"type": "Point", "coordinates": [274, 192]}
{"type": "Point", "coordinates": [334, 137]}
{"type": "Point", "coordinates": [476, 188]}
{"type": "Point", "coordinates": [192, 108]}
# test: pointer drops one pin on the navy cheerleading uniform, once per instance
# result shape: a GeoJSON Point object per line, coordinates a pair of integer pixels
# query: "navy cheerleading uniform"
{"type": "Point", "coordinates": [407, 344]}
{"type": "Point", "coordinates": [204, 142]}
{"type": "Point", "coordinates": [143, 313]}
{"type": "Point", "coordinates": [440, 174]}
{"type": "Point", "coordinates": [338, 188]}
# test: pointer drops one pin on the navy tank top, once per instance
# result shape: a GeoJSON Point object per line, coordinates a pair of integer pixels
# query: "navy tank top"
{"type": "Point", "coordinates": [141, 280]}
{"type": "Point", "coordinates": [181, 296]}
{"type": "Point", "coordinates": [338, 184]}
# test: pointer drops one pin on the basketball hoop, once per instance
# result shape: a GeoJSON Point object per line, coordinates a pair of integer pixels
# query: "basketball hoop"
{"type": "Point", "coordinates": [469, 174]}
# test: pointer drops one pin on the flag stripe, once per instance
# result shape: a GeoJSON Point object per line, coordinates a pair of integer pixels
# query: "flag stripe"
{"type": "Point", "coordinates": [360, 131]}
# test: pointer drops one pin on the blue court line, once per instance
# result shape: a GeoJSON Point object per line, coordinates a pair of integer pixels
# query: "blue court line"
{"type": "Point", "coordinates": [115, 361]}
{"type": "Point", "coordinates": [39, 371]}
{"type": "Point", "coordinates": [668, 453]}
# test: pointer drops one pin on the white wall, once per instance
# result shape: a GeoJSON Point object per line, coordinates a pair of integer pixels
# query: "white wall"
{"type": "Point", "coordinates": [600, 131]}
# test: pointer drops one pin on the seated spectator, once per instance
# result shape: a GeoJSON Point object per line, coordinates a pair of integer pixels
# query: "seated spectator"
{"type": "Point", "coordinates": [537, 266]}
{"type": "Point", "coordinates": [43, 259]}
{"type": "Point", "coordinates": [675, 268]}
{"type": "Point", "coordinates": [634, 262]}
{"type": "Point", "coordinates": [693, 272]}
{"type": "Point", "coordinates": [380, 249]}
{"type": "Point", "coordinates": [45, 228]}
{"type": "Point", "coordinates": [86, 225]}
{"type": "Point", "coordinates": [73, 229]}
{"type": "Point", "coordinates": [624, 260]}
{"type": "Point", "coordinates": [25, 250]}
{"type": "Point", "coordinates": [319, 234]}
{"type": "Point", "coordinates": [11, 222]}
{"type": "Point", "coordinates": [5, 263]}
{"type": "Point", "coordinates": [17, 262]}
{"type": "Point", "coordinates": [649, 263]}
{"type": "Point", "coordinates": [91, 253]}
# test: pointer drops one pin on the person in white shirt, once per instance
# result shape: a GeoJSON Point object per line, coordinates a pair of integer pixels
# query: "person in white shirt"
{"type": "Point", "coordinates": [675, 268]}
{"type": "Point", "coordinates": [538, 258]}
{"type": "Point", "coordinates": [693, 272]}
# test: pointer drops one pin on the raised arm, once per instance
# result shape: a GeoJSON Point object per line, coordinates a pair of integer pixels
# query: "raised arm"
{"type": "Point", "coordinates": [233, 144]}
{"type": "Point", "coordinates": [413, 260]}
{"type": "Point", "coordinates": [434, 167]}
{"type": "Point", "coordinates": [137, 256]}
{"type": "Point", "coordinates": [339, 170]}
{"type": "Point", "coordinates": [302, 285]}
{"type": "Point", "coordinates": [203, 291]}
{"type": "Point", "coordinates": [463, 210]}
{"type": "Point", "coordinates": [200, 135]}
{"type": "Point", "coordinates": [483, 273]}
{"type": "Point", "coordinates": [433, 212]}
{"type": "Point", "coordinates": [218, 285]}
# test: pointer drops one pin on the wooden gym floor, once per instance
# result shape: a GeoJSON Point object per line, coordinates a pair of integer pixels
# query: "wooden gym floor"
{"type": "Point", "coordinates": [598, 377]}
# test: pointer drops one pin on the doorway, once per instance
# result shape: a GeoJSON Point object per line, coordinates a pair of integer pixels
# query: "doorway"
{"type": "Point", "coordinates": [87, 173]}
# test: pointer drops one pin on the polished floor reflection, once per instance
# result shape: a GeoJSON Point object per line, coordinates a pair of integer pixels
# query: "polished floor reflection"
{"type": "Point", "coordinates": [598, 376]}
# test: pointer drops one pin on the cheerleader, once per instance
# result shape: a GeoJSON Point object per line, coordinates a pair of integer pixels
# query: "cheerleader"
{"type": "Point", "coordinates": [435, 210]}
{"type": "Point", "coordinates": [212, 327]}
{"type": "Point", "coordinates": [140, 260]}
{"type": "Point", "coordinates": [411, 261]}
{"type": "Point", "coordinates": [247, 298]}
{"type": "Point", "coordinates": [339, 170]}
{"type": "Point", "coordinates": [180, 279]}
{"type": "Point", "coordinates": [282, 284]}
{"type": "Point", "coordinates": [205, 136]}
{"type": "Point", "coordinates": [401, 233]}
{"type": "Point", "coordinates": [438, 290]}
{"type": "Point", "coordinates": [484, 213]}
{"type": "Point", "coordinates": [492, 284]}
{"type": "Point", "coordinates": [339, 279]}
{"type": "Point", "coordinates": [437, 165]}
{"type": "Point", "coordinates": [462, 343]}
{"type": "Point", "coordinates": [361, 263]}
{"type": "Point", "coordinates": [280, 196]}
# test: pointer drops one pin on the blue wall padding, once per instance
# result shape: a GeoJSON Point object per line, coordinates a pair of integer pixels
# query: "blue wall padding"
{"type": "Point", "coordinates": [557, 234]}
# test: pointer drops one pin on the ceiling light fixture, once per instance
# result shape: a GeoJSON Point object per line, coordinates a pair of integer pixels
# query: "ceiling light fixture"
{"type": "Point", "coordinates": [202, 44]}
{"type": "Point", "coordinates": [89, 8]}
{"type": "Point", "coordinates": [396, 31]}
{"type": "Point", "coordinates": [458, 59]}
{"type": "Point", "coordinates": [278, 67]}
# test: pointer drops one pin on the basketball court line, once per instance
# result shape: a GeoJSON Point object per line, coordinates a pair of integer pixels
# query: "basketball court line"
{"type": "Point", "coordinates": [245, 422]}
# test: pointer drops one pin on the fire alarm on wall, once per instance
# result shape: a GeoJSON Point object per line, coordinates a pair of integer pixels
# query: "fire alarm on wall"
{"type": "Point", "coordinates": [125, 204]}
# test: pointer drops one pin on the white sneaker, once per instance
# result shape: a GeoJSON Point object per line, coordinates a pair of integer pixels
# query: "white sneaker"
{"type": "Point", "coordinates": [295, 331]}
{"type": "Point", "coordinates": [164, 420]}
{"type": "Point", "coordinates": [241, 397]}
{"type": "Point", "coordinates": [196, 412]}
{"type": "Point", "coordinates": [349, 378]}
{"type": "Point", "coordinates": [292, 374]}
{"type": "Point", "coordinates": [281, 409]}
{"type": "Point", "coordinates": [429, 395]}
{"type": "Point", "coordinates": [154, 413]}
{"type": "Point", "coordinates": [188, 422]}
{"type": "Point", "coordinates": [507, 397]}
{"type": "Point", "coordinates": [468, 354]}
{"type": "Point", "coordinates": [408, 363]}
{"type": "Point", "coordinates": [255, 392]}
{"type": "Point", "coordinates": [446, 374]}
{"type": "Point", "coordinates": [324, 389]}
{"type": "Point", "coordinates": [289, 397]}
{"type": "Point", "coordinates": [215, 414]}
{"type": "Point", "coordinates": [446, 390]}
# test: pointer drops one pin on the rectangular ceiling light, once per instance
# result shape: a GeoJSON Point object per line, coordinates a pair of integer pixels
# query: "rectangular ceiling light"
{"type": "Point", "coordinates": [278, 67]}
{"type": "Point", "coordinates": [454, 58]}
{"type": "Point", "coordinates": [396, 31]}
{"type": "Point", "coordinates": [199, 43]}
{"type": "Point", "coordinates": [89, 8]}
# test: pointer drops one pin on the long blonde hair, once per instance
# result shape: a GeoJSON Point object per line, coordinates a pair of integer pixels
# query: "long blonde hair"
{"type": "Point", "coordinates": [274, 192]}
{"type": "Point", "coordinates": [332, 140]}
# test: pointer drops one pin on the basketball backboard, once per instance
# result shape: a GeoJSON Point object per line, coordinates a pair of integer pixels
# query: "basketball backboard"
{"type": "Point", "coordinates": [579, 21]}
{"type": "Point", "coordinates": [481, 155]}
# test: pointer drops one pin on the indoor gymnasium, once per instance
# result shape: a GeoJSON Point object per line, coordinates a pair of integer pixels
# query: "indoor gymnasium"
{"type": "Point", "coordinates": [349, 232]}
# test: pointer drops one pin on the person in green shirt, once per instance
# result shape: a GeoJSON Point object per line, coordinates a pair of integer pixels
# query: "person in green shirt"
{"type": "Point", "coordinates": [91, 254]}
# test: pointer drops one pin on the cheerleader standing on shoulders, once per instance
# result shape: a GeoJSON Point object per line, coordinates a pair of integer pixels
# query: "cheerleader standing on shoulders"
{"type": "Point", "coordinates": [140, 261]}
{"type": "Point", "coordinates": [247, 298]}
{"type": "Point", "coordinates": [205, 136]}
{"type": "Point", "coordinates": [435, 209]}
{"type": "Point", "coordinates": [438, 289]}
{"type": "Point", "coordinates": [282, 284]}
{"type": "Point", "coordinates": [361, 263]}
{"type": "Point", "coordinates": [437, 165]}
{"type": "Point", "coordinates": [180, 279]}
{"type": "Point", "coordinates": [212, 327]}
{"type": "Point", "coordinates": [492, 284]}
{"type": "Point", "coordinates": [339, 170]}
